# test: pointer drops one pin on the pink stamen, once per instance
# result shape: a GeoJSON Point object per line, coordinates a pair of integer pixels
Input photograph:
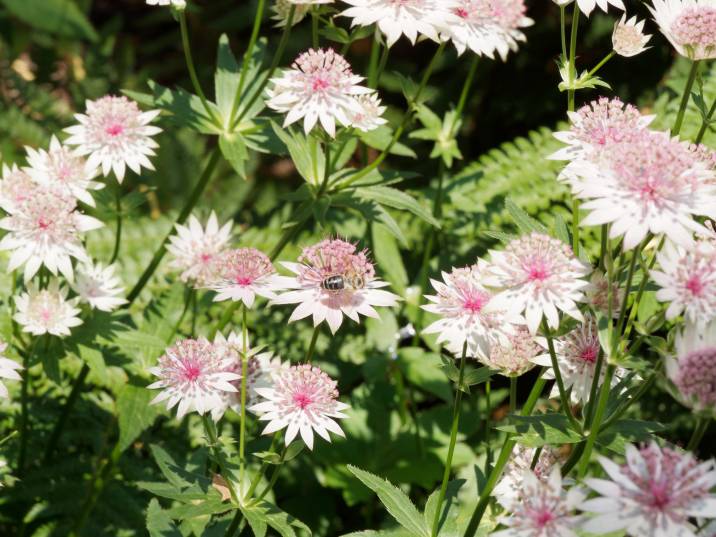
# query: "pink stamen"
{"type": "Point", "coordinates": [660, 494]}
{"type": "Point", "coordinates": [114, 129]}
{"type": "Point", "coordinates": [695, 285]}
{"type": "Point", "coordinates": [320, 84]}
{"type": "Point", "coordinates": [589, 355]}
{"type": "Point", "coordinates": [302, 400]}
{"type": "Point", "coordinates": [192, 372]}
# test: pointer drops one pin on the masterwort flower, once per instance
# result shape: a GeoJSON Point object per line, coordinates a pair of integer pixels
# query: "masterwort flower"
{"type": "Point", "coordinates": [319, 87]}
{"type": "Point", "coordinates": [598, 294]}
{"type": "Point", "coordinates": [45, 229]}
{"type": "Point", "coordinates": [545, 510]}
{"type": "Point", "coordinates": [516, 356]}
{"type": "Point", "coordinates": [404, 17]}
{"type": "Point", "coordinates": [196, 250]}
{"type": "Point", "coordinates": [281, 9]}
{"type": "Point", "coordinates": [628, 38]}
{"type": "Point", "coordinates": [587, 6]}
{"type": "Point", "coordinates": [303, 399]}
{"type": "Point", "coordinates": [195, 374]}
{"type": "Point", "coordinates": [370, 115]}
{"type": "Point", "coordinates": [179, 4]}
{"type": "Point", "coordinates": [16, 188]}
{"type": "Point", "coordinates": [487, 27]}
{"type": "Point", "coordinates": [333, 279]}
{"type": "Point", "coordinates": [99, 287]}
{"type": "Point", "coordinates": [596, 125]}
{"type": "Point", "coordinates": [688, 281]}
{"type": "Point", "coordinates": [693, 369]}
{"type": "Point", "coordinates": [539, 275]}
{"type": "Point", "coordinates": [469, 313]}
{"type": "Point", "coordinates": [650, 183]}
{"type": "Point", "coordinates": [577, 353]}
{"type": "Point", "coordinates": [8, 370]}
{"type": "Point", "coordinates": [61, 168]}
{"type": "Point", "coordinates": [47, 311]}
{"type": "Point", "coordinates": [242, 274]}
{"type": "Point", "coordinates": [115, 134]}
{"type": "Point", "coordinates": [654, 493]}
{"type": "Point", "coordinates": [510, 490]}
{"type": "Point", "coordinates": [689, 25]}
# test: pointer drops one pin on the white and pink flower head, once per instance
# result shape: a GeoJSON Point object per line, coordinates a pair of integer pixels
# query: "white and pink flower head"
{"type": "Point", "coordinates": [47, 311]}
{"type": "Point", "coordinates": [46, 229]}
{"type": "Point", "coordinates": [63, 169]}
{"type": "Point", "coordinates": [510, 489]}
{"type": "Point", "coordinates": [8, 370]}
{"type": "Point", "coordinates": [693, 369]}
{"type": "Point", "coordinates": [628, 37]}
{"type": "Point", "coordinates": [98, 286]}
{"type": "Point", "coordinates": [196, 374]}
{"type": "Point", "coordinates": [196, 249]}
{"type": "Point", "coordinates": [319, 87]}
{"type": "Point", "coordinates": [598, 294]}
{"type": "Point", "coordinates": [302, 400]}
{"type": "Point", "coordinates": [332, 279]}
{"type": "Point", "coordinates": [16, 187]}
{"type": "Point", "coordinates": [243, 273]}
{"type": "Point", "coordinates": [545, 509]}
{"type": "Point", "coordinates": [596, 126]}
{"type": "Point", "coordinates": [539, 275]}
{"type": "Point", "coordinates": [115, 134]}
{"type": "Point", "coordinates": [469, 313]}
{"type": "Point", "coordinates": [587, 6]}
{"type": "Point", "coordinates": [516, 356]}
{"type": "Point", "coordinates": [488, 27]}
{"type": "Point", "coordinates": [689, 25]}
{"type": "Point", "coordinates": [654, 493]}
{"type": "Point", "coordinates": [648, 184]}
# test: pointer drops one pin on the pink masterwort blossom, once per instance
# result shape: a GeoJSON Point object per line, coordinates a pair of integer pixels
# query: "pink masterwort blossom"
{"type": "Point", "coordinates": [64, 170]}
{"type": "Point", "coordinates": [628, 37]}
{"type": "Point", "coordinates": [650, 183]}
{"type": "Point", "coordinates": [516, 356]}
{"type": "Point", "coordinates": [690, 26]}
{"type": "Point", "coordinates": [654, 493]}
{"type": "Point", "coordinates": [587, 6]}
{"type": "Point", "coordinates": [243, 273]}
{"type": "Point", "coordinates": [115, 134]}
{"type": "Point", "coordinates": [693, 369]}
{"type": "Point", "coordinates": [510, 490]}
{"type": "Point", "coordinates": [539, 275]}
{"type": "Point", "coordinates": [688, 281]}
{"type": "Point", "coordinates": [319, 87]}
{"type": "Point", "coordinates": [487, 27]}
{"type": "Point", "coordinates": [8, 370]}
{"type": "Point", "coordinates": [16, 187]}
{"type": "Point", "coordinates": [195, 374]}
{"type": "Point", "coordinates": [46, 229]}
{"type": "Point", "coordinates": [545, 509]}
{"type": "Point", "coordinates": [596, 126]}
{"type": "Point", "coordinates": [705, 154]}
{"type": "Point", "coordinates": [47, 311]}
{"type": "Point", "coordinates": [469, 313]}
{"type": "Point", "coordinates": [303, 399]}
{"type": "Point", "coordinates": [354, 288]}
{"type": "Point", "coordinates": [598, 294]}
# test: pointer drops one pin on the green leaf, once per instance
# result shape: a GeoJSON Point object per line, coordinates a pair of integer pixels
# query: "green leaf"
{"type": "Point", "coordinates": [524, 222]}
{"type": "Point", "coordinates": [264, 513]}
{"type": "Point", "coordinates": [60, 17]}
{"type": "Point", "coordinates": [395, 501]}
{"type": "Point", "coordinates": [397, 199]}
{"type": "Point", "coordinates": [134, 413]}
{"type": "Point", "coordinates": [447, 525]}
{"type": "Point", "coordinates": [159, 523]}
{"type": "Point", "coordinates": [625, 432]}
{"type": "Point", "coordinates": [424, 370]}
{"type": "Point", "coordinates": [226, 79]}
{"type": "Point", "coordinates": [306, 153]}
{"type": "Point", "coordinates": [210, 506]}
{"type": "Point", "coordinates": [233, 148]}
{"type": "Point", "coordinates": [541, 430]}
{"type": "Point", "coordinates": [94, 358]}
{"type": "Point", "coordinates": [381, 137]}
{"type": "Point", "coordinates": [174, 473]}
{"type": "Point", "coordinates": [561, 231]}
{"type": "Point", "coordinates": [387, 254]}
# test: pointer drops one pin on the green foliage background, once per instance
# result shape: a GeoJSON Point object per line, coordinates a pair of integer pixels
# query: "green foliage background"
{"type": "Point", "coordinates": [54, 54]}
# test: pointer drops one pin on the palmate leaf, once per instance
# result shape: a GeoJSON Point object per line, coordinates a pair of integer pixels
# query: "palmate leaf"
{"type": "Point", "coordinates": [541, 430]}
{"type": "Point", "coordinates": [395, 501]}
{"type": "Point", "coordinates": [134, 413]}
{"type": "Point", "coordinates": [159, 523]}
{"type": "Point", "coordinates": [262, 514]}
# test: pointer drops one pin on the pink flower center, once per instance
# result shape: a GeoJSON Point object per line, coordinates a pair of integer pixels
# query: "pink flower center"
{"type": "Point", "coordinates": [45, 314]}
{"type": "Point", "coordinates": [244, 281]}
{"type": "Point", "coordinates": [114, 129]}
{"type": "Point", "coordinates": [542, 518]}
{"type": "Point", "coordinates": [537, 270]}
{"type": "Point", "coordinates": [205, 258]}
{"type": "Point", "coordinates": [695, 285]}
{"type": "Point", "coordinates": [462, 12]}
{"type": "Point", "coordinates": [660, 495]}
{"type": "Point", "coordinates": [192, 371]}
{"type": "Point", "coordinates": [475, 303]}
{"type": "Point", "coordinates": [589, 354]}
{"type": "Point", "coordinates": [302, 399]}
{"type": "Point", "coordinates": [320, 83]}
{"type": "Point", "coordinates": [43, 223]}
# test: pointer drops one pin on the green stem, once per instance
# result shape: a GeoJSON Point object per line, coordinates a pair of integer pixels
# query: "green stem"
{"type": "Point", "coordinates": [502, 460]}
{"type": "Point", "coordinates": [488, 403]}
{"type": "Point", "coordinates": [374, 55]}
{"type": "Point", "coordinates": [642, 288]}
{"type": "Point", "coordinates": [247, 58]}
{"type": "Point", "coordinates": [572, 57]}
{"type": "Point", "coordinates": [274, 64]}
{"type": "Point", "coordinates": [244, 374]}
{"type": "Point", "coordinates": [183, 215]}
{"type": "Point", "coordinates": [613, 418]}
{"type": "Point", "coordinates": [65, 414]}
{"type": "Point", "coordinates": [513, 394]}
{"type": "Point", "coordinates": [593, 389]}
{"type": "Point", "coordinates": [315, 42]}
{"type": "Point", "coordinates": [312, 345]}
{"type": "Point", "coordinates": [231, 530]}
{"type": "Point", "coordinates": [467, 85]}
{"type": "Point", "coordinates": [24, 419]}
{"type": "Point", "coordinates": [705, 123]}
{"type": "Point", "coordinates": [274, 475]}
{"type": "Point", "coordinates": [597, 422]}
{"type": "Point", "coordinates": [564, 398]}
{"type": "Point", "coordinates": [685, 98]}
{"type": "Point", "coordinates": [210, 429]}
{"type": "Point", "coordinates": [453, 441]}
{"type": "Point", "coordinates": [563, 29]}
{"type": "Point", "coordinates": [627, 289]}
{"type": "Point", "coordinates": [192, 70]}
{"type": "Point", "coordinates": [118, 234]}
{"type": "Point", "coordinates": [701, 426]}
{"type": "Point", "coordinates": [406, 118]}
{"type": "Point", "coordinates": [601, 63]}
{"type": "Point", "coordinates": [257, 478]}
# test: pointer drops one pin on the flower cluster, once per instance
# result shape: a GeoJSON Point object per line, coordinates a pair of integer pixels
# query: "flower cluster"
{"type": "Point", "coordinates": [689, 25]}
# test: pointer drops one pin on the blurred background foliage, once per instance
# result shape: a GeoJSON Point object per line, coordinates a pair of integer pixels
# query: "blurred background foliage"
{"type": "Point", "coordinates": [54, 54]}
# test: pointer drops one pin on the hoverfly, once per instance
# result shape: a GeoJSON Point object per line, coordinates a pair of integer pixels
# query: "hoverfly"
{"type": "Point", "coordinates": [342, 282]}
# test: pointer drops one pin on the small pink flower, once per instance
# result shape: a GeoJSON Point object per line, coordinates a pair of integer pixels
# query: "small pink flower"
{"type": "Point", "coordinates": [516, 356]}
{"type": "Point", "coordinates": [303, 399]}
{"type": "Point", "coordinates": [333, 279]}
{"type": "Point", "coordinates": [242, 274]}
{"type": "Point", "coordinates": [689, 25]}
{"type": "Point", "coordinates": [693, 369]}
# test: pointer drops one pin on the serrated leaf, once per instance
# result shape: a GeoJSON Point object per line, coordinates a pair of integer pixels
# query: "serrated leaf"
{"type": "Point", "coordinates": [381, 137]}
{"type": "Point", "coordinates": [233, 148]}
{"type": "Point", "coordinates": [134, 413]}
{"type": "Point", "coordinates": [395, 501]}
{"type": "Point", "coordinates": [397, 199]}
{"type": "Point", "coordinates": [524, 222]}
{"type": "Point", "coordinates": [541, 430]}
{"type": "Point", "coordinates": [94, 358]}
{"type": "Point", "coordinates": [266, 513]}
{"type": "Point", "coordinates": [447, 525]}
{"type": "Point", "coordinates": [226, 79]}
{"type": "Point", "coordinates": [159, 523]}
